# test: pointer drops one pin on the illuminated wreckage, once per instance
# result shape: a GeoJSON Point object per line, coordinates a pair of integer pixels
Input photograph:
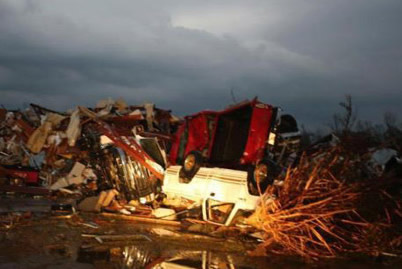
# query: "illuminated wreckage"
{"type": "Point", "coordinates": [220, 161]}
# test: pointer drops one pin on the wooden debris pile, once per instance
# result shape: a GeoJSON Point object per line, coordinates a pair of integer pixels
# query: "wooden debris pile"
{"type": "Point", "coordinates": [316, 214]}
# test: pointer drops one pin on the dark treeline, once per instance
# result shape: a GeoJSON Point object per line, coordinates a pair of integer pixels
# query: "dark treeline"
{"type": "Point", "coordinates": [347, 126]}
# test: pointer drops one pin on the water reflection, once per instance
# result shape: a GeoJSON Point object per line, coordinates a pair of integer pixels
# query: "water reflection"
{"type": "Point", "coordinates": [199, 259]}
{"type": "Point", "coordinates": [136, 257]}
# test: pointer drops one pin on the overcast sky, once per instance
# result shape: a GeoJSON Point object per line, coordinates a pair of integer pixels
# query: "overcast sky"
{"type": "Point", "coordinates": [188, 55]}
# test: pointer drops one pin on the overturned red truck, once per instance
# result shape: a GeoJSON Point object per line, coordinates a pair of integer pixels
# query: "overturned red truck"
{"type": "Point", "coordinates": [250, 136]}
{"type": "Point", "coordinates": [222, 160]}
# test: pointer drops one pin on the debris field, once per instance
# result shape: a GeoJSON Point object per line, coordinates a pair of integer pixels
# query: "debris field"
{"type": "Point", "coordinates": [239, 174]}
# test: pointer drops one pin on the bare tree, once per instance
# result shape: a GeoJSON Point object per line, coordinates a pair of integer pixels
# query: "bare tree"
{"type": "Point", "coordinates": [343, 123]}
{"type": "Point", "coordinates": [390, 119]}
{"type": "Point", "coordinates": [393, 133]}
{"type": "Point", "coordinates": [233, 95]}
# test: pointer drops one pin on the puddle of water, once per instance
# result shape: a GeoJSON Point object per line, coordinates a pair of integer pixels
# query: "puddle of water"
{"type": "Point", "coordinates": [151, 255]}
{"type": "Point", "coordinates": [135, 256]}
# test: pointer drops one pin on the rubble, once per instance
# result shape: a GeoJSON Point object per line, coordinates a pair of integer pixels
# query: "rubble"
{"type": "Point", "coordinates": [67, 150]}
{"type": "Point", "coordinates": [74, 177]}
{"type": "Point", "coordinates": [326, 207]}
{"type": "Point", "coordinates": [226, 173]}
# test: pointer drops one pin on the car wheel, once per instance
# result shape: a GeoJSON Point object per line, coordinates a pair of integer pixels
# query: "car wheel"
{"type": "Point", "coordinates": [262, 176]}
{"type": "Point", "coordinates": [191, 164]}
{"type": "Point", "coordinates": [261, 173]}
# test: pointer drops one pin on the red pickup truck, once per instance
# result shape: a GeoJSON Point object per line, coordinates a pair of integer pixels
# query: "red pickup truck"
{"type": "Point", "coordinates": [250, 136]}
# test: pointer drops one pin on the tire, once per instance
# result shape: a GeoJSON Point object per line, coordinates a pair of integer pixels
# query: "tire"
{"type": "Point", "coordinates": [260, 173]}
{"type": "Point", "coordinates": [288, 124]}
{"type": "Point", "coordinates": [191, 164]}
{"type": "Point", "coordinates": [262, 176]}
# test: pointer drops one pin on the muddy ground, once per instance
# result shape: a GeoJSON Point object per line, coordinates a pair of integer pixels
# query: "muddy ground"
{"type": "Point", "coordinates": [36, 238]}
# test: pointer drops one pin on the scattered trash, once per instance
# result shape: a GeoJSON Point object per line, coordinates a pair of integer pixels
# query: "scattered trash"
{"type": "Point", "coordinates": [97, 238]}
{"type": "Point", "coordinates": [90, 225]}
{"type": "Point", "coordinates": [117, 237]}
{"type": "Point", "coordinates": [240, 170]}
{"type": "Point", "coordinates": [62, 209]}
{"type": "Point", "coordinates": [91, 204]}
{"type": "Point", "coordinates": [164, 232]}
{"type": "Point", "coordinates": [164, 213]}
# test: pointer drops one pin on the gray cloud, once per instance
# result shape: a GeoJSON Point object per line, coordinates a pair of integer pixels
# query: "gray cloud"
{"type": "Point", "coordinates": [188, 55]}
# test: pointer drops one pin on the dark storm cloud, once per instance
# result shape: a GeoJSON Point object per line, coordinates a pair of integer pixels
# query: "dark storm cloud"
{"type": "Point", "coordinates": [188, 55]}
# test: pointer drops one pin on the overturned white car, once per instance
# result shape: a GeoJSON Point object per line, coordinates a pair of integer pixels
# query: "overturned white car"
{"type": "Point", "coordinates": [221, 193]}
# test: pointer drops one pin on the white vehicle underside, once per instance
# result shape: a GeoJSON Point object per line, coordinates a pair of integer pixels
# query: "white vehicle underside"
{"type": "Point", "coordinates": [221, 193]}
